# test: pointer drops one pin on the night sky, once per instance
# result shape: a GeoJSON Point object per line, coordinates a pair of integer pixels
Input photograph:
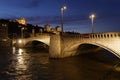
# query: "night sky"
{"type": "Point", "coordinates": [76, 17]}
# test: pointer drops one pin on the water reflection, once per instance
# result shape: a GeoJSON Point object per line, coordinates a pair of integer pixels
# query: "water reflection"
{"type": "Point", "coordinates": [24, 64]}
{"type": "Point", "coordinates": [21, 60]}
{"type": "Point", "coordinates": [13, 50]}
{"type": "Point", "coordinates": [20, 51]}
{"type": "Point", "coordinates": [90, 66]}
{"type": "Point", "coordinates": [18, 68]}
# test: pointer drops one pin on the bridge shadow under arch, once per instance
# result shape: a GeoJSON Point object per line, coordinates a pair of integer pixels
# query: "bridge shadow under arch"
{"type": "Point", "coordinates": [96, 52]}
{"type": "Point", "coordinates": [87, 48]}
{"type": "Point", "coordinates": [37, 46]}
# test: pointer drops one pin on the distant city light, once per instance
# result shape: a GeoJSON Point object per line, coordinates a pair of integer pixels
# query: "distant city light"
{"type": "Point", "coordinates": [19, 41]}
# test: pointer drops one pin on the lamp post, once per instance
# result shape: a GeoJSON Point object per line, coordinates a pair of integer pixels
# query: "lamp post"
{"type": "Point", "coordinates": [62, 16]}
{"type": "Point", "coordinates": [22, 36]}
{"type": "Point", "coordinates": [92, 16]}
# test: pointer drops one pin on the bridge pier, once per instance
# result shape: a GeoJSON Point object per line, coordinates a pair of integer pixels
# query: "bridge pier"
{"type": "Point", "coordinates": [55, 46]}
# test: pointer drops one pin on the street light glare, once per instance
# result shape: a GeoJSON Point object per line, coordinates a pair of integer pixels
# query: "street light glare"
{"type": "Point", "coordinates": [92, 16]}
{"type": "Point", "coordinates": [63, 8]}
{"type": "Point", "coordinates": [19, 41]}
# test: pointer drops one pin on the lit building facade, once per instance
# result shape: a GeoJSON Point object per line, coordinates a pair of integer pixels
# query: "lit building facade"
{"type": "Point", "coordinates": [21, 21]}
{"type": "Point", "coordinates": [4, 40]}
{"type": "Point", "coordinates": [3, 31]}
{"type": "Point", "coordinates": [47, 28]}
{"type": "Point", "coordinates": [58, 28]}
{"type": "Point", "coordinates": [55, 30]}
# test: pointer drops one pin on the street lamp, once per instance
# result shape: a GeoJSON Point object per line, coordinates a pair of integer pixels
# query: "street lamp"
{"type": "Point", "coordinates": [62, 16]}
{"type": "Point", "coordinates": [92, 16]}
{"type": "Point", "coordinates": [22, 36]}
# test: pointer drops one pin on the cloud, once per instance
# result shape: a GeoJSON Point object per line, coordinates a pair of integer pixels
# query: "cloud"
{"type": "Point", "coordinates": [57, 19]}
{"type": "Point", "coordinates": [33, 3]}
{"type": "Point", "coordinates": [43, 19]}
{"type": "Point", "coordinates": [21, 3]}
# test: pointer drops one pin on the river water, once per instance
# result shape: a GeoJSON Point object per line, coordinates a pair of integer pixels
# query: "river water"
{"type": "Point", "coordinates": [29, 64]}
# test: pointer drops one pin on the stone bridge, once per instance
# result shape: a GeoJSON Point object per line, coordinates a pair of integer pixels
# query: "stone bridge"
{"type": "Point", "coordinates": [44, 38]}
{"type": "Point", "coordinates": [66, 45]}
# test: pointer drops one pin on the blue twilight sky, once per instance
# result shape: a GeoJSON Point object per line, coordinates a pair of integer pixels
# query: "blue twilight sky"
{"type": "Point", "coordinates": [76, 17]}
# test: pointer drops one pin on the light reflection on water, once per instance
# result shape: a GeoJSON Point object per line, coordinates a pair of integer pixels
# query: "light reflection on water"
{"type": "Point", "coordinates": [18, 67]}
{"type": "Point", "coordinates": [23, 64]}
{"type": "Point", "coordinates": [21, 60]}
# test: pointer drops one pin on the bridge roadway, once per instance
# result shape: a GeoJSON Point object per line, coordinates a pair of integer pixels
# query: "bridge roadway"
{"type": "Point", "coordinates": [66, 45]}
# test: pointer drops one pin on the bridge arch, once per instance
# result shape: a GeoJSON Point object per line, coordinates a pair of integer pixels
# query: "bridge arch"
{"type": "Point", "coordinates": [106, 48]}
{"type": "Point", "coordinates": [23, 42]}
{"type": "Point", "coordinates": [45, 40]}
{"type": "Point", "coordinates": [32, 42]}
{"type": "Point", "coordinates": [75, 46]}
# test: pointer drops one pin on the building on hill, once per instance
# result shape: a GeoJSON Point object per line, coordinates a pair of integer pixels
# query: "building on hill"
{"type": "Point", "coordinates": [55, 30]}
{"type": "Point", "coordinates": [58, 29]}
{"type": "Point", "coordinates": [3, 31]}
{"type": "Point", "coordinates": [47, 28]}
{"type": "Point", "coordinates": [4, 40]}
{"type": "Point", "coordinates": [21, 21]}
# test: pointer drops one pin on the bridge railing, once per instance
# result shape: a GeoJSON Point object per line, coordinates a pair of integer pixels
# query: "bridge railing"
{"type": "Point", "coordinates": [105, 35]}
{"type": "Point", "coordinates": [94, 35]}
